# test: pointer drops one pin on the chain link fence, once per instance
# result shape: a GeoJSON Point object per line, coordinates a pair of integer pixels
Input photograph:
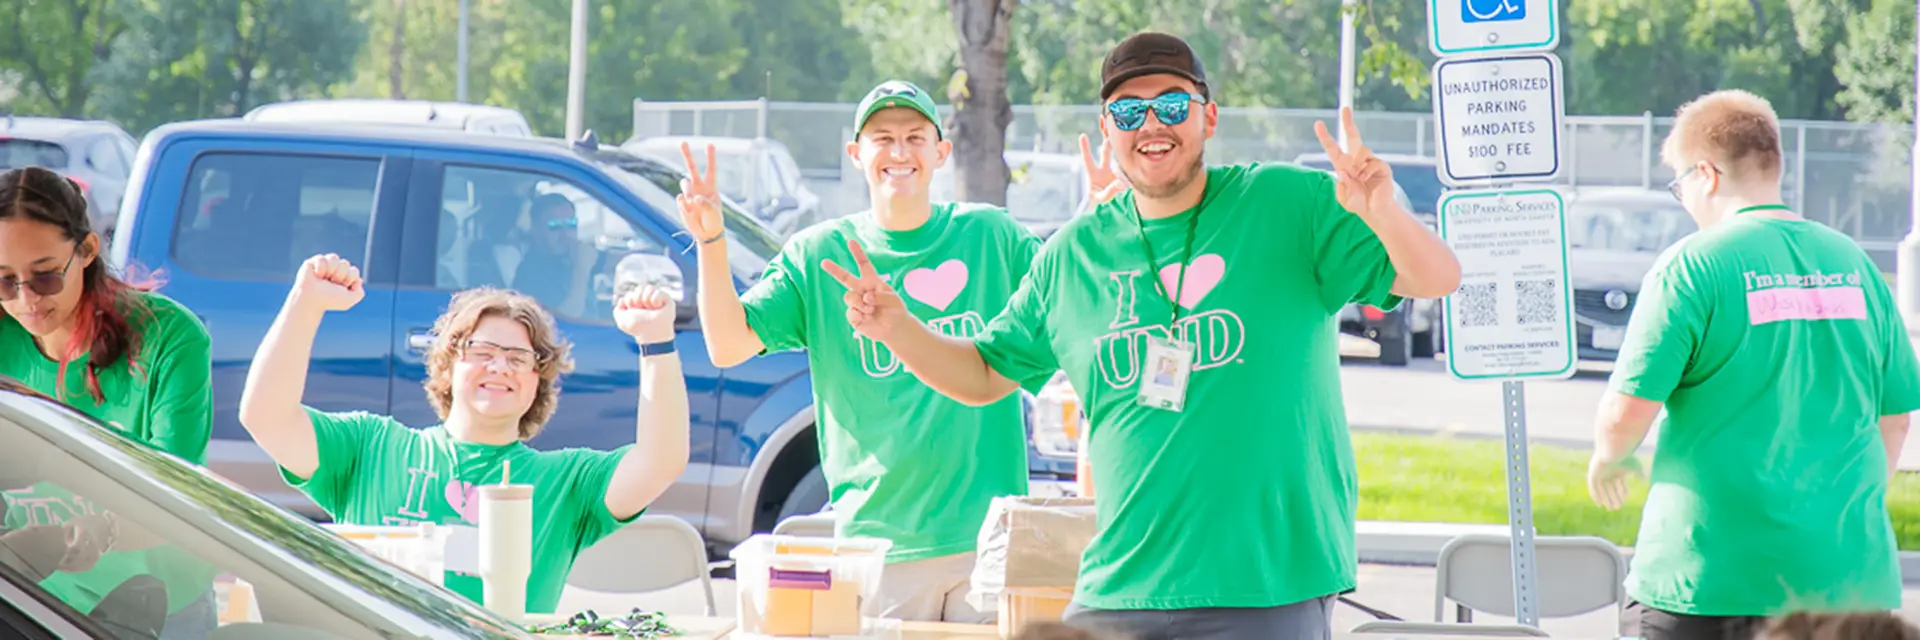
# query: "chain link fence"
{"type": "Point", "coordinates": [1853, 177]}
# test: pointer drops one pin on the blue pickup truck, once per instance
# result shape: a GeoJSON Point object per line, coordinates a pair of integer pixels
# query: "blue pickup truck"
{"type": "Point", "coordinates": [226, 210]}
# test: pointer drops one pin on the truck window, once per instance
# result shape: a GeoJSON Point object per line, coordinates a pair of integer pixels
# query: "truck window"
{"type": "Point", "coordinates": [535, 233]}
{"type": "Point", "coordinates": [254, 216]}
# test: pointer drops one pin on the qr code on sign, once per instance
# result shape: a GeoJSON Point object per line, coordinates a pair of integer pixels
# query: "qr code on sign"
{"type": "Point", "coordinates": [1536, 301]}
{"type": "Point", "coordinates": [1474, 303]}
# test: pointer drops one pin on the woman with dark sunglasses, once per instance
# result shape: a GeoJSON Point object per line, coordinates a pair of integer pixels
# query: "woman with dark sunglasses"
{"type": "Point", "coordinates": [113, 349]}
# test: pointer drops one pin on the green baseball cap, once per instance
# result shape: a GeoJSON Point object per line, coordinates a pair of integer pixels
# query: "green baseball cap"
{"type": "Point", "coordinates": [897, 93]}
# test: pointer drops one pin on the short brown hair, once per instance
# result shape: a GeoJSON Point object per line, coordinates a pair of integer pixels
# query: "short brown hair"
{"type": "Point", "coordinates": [1865, 625]}
{"type": "Point", "coordinates": [1733, 129]}
{"type": "Point", "coordinates": [464, 315]}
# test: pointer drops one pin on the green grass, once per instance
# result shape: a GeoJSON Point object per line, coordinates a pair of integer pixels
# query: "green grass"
{"type": "Point", "coordinates": [1439, 479]}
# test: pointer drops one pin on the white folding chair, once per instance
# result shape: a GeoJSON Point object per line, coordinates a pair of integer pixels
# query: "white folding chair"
{"type": "Point", "coordinates": [653, 553]}
{"type": "Point", "coordinates": [817, 525]}
{"type": "Point", "coordinates": [1455, 629]}
{"type": "Point", "coordinates": [1475, 571]}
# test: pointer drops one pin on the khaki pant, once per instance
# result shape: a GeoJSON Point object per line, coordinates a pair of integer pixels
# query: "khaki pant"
{"type": "Point", "coordinates": [931, 590]}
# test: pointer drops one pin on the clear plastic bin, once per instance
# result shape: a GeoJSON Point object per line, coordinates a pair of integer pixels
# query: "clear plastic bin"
{"type": "Point", "coordinates": [806, 587]}
{"type": "Point", "coordinates": [419, 549]}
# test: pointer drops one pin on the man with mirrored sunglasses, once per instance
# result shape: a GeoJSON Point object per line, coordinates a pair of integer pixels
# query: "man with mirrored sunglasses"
{"type": "Point", "coordinates": [1227, 488]}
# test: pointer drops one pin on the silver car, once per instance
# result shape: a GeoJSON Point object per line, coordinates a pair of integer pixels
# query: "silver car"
{"type": "Point", "coordinates": [1614, 235]}
{"type": "Point", "coordinates": [59, 467]}
{"type": "Point", "coordinates": [95, 153]}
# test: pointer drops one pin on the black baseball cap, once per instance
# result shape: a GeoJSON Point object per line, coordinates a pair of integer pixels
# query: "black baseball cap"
{"type": "Point", "coordinates": [1148, 53]}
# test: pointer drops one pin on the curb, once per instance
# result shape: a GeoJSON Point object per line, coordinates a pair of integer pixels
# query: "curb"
{"type": "Point", "coordinates": [1418, 543]}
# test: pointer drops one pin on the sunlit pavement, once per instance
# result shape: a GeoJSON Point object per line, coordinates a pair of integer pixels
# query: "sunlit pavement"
{"type": "Point", "coordinates": [1422, 398]}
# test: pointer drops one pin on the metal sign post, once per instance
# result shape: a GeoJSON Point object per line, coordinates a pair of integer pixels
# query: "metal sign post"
{"type": "Point", "coordinates": [1498, 104]}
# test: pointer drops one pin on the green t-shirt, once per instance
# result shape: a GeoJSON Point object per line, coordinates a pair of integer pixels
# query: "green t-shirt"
{"type": "Point", "coordinates": [1776, 347]}
{"type": "Point", "coordinates": [903, 462]}
{"type": "Point", "coordinates": [375, 471]}
{"type": "Point", "coordinates": [1247, 497]}
{"type": "Point", "coordinates": [164, 400]}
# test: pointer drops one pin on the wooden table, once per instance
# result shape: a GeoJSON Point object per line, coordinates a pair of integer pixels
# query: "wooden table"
{"type": "Point", "coordinates": [705, 628]}
{"type": "Point", "coordinates": [691, 627]}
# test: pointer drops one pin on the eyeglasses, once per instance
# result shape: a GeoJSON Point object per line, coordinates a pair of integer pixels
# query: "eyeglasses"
{"type": "Point", "coordinates": [45, 283]}
{"type": "Point", "coordinates": [563, 223]}
{"type": "Point", "coordinates": [1673, 186]}
{"type": "Point", "coordinates": [481, 352]}
{"type": "Point", "coordinates": [1171, 108]}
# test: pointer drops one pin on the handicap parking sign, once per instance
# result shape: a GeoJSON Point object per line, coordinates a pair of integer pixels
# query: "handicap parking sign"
{"type": "Point", "coordinates": [1472, 11]}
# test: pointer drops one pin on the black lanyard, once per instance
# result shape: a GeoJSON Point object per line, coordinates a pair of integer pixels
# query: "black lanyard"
{"type": "Point", "coordinates": [1153, 263]}
{"type": "Point", "coordinates": [1764, 207]}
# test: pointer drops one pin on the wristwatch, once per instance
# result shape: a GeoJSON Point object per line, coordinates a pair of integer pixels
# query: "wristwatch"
{"type": "Point", "coordinates": [656, 348]}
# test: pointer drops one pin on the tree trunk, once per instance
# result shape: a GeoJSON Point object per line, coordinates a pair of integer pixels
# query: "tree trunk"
{"type": "Point", "coordinates": [982, 111]}
{"type": "Point", "coordinates": [397, 53]}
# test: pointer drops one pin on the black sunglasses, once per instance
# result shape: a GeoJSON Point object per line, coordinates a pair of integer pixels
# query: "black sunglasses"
{"type": "Point", "coordinates": [46, 283]}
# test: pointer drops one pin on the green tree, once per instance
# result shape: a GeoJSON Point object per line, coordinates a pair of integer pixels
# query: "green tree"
{"type": "Point", "coordinates": [1875, 64]}
{"type": "Point", "coordinates": [54, 46]}
{"type": "Point", "coordinates": [648, 49]}
{"type": "Point", "coordinates": [430, 66]}
{"type": "Point", "coordinates": [186, 59]}
{"type": "Point", "coordinates": [803, 48]}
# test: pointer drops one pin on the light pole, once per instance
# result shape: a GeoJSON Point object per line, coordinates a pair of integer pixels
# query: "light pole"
{"type": "Point", "coordinates": [1907, 274]}
{"type": "Point", "coordinates": [460, 87]}
{"type": "Point", "coordinates": [577, 73]}
{"type": "Point", "coordinates": [1347, 70]}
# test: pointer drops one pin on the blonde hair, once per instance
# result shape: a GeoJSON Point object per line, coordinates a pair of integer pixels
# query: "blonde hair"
{"type": "Point", "coordinates": [1734, 130]}
{"type": "Point", "coordinates": [552, 352]}
{"type": "Point", "coordinates": [1869, 625]}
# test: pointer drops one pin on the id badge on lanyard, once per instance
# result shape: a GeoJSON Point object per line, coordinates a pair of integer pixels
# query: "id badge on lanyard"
{"type": "Point", "coordinates": [1163, 374]}
{"type": "Point", "coordinates": [1168, 362]}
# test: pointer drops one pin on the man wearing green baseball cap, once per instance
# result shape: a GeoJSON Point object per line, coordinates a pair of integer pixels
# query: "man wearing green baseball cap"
{"type": "Point", "coordinates": [901, 461]}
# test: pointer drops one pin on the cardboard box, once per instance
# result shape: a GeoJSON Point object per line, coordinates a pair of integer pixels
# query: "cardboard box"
{"type": "Point", "coordinates": [1027, 606]}
{"type": "Point", "coordinates": [1031, 543]}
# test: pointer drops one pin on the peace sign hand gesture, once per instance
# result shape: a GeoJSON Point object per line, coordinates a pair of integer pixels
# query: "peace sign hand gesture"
{"type": "Point", "coordinates": [1363, 183]}
{"type": "Point", "coordinates": [699, 199]}
{"type": "Point", "coordinates": [1103, 183]}
{"type": "Point", "coordinates": [873, 307]}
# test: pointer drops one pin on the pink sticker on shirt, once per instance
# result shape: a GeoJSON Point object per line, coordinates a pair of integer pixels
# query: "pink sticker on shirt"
{"type": "Point", "coordinates": [1794, 303]}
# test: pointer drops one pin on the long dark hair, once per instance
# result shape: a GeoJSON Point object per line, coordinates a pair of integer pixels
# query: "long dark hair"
{"type": "Point", "coordinates": [102, 328]}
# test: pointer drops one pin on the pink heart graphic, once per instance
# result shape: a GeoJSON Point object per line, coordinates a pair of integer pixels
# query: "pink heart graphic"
{"type": "Point", "coordinates": [938, 287]}
{"type": "Point", "coordinates": [464, 497]}
{"type": "Point", "coordinates": [1202, 274]}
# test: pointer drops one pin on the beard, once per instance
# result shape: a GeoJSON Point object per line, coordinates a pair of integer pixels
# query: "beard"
{"type": "Point", "coordinates": [1172, 187]}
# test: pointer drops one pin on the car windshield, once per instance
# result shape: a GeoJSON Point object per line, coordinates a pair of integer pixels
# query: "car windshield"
{"type": "Point", "coordinates": [1418, 180]}
{"type": "Point", "coordinates": [21, 152]}
{"type": "Point", "coordinates": [1626, 226]}
{"type": "Point", "coordinates": [185, 538]}
{"type": "Point", "coordinates": [659, 184]}
{"type": "Point", "coordinates": [1422, 185]}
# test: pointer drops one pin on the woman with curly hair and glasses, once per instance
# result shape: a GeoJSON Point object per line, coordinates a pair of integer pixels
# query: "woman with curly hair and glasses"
{"type": "Point", "coordinates": [492, 375]}
{"type": "Point", "coordinates": [133, 359]}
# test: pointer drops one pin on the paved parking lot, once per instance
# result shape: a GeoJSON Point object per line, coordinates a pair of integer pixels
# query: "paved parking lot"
{"type": "Point", "coordinates": [1421, 397]}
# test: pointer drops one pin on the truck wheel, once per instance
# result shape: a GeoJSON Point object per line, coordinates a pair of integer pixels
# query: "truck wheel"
{"type": "Point", "coordinates": [1397, 352]}
{"type": "Point", "coordinates": [809, 496]}
{"type": "Point", "coordinates": [1426, 343]}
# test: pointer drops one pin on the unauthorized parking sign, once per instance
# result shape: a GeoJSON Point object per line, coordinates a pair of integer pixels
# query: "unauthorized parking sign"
{"type": "Point", "coordinates": [1498, 118]}
{"type": "Point", "coordinates": [1512, 317]}
{"type": "Point", "coordinates": [1485, 26]}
